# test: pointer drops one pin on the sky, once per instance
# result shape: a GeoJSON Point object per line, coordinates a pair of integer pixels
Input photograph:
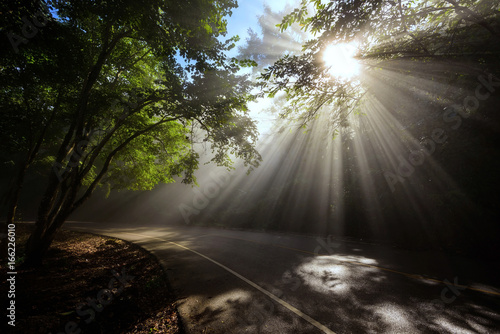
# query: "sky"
{"type": "Point", "coordinates": [246, 16]}
{"type": "Point", "coordinates": [247, 13]}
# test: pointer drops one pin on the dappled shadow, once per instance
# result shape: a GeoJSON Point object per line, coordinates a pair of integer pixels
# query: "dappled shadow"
{"type": "Point", "coordinates": [78, 270]}
{"type": "Point", "coordinates": [356, 288]}
{"type": "Point", "coordinates": [352, 298]}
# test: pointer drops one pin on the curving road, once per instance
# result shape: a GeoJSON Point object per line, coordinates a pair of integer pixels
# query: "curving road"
{"type": "Point", "coordinates": [231, 281]}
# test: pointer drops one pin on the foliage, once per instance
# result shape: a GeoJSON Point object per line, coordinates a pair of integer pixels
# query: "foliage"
{"type": "Point", "coordinates": [385, 32]}
{"type": "Point", "coordinates": [418, 60]}
{"type": "Point", "coordinates": [112, 93]}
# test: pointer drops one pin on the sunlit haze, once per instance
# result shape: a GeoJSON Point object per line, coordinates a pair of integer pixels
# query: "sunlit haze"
{"type": "Point", "coordinates": [326, 166]}
{"type": "Point", "coordinates": [340, 61]}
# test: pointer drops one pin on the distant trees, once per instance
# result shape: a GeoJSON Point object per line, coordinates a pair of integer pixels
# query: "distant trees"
{"type": "Point", "coordinates": [109, 93]}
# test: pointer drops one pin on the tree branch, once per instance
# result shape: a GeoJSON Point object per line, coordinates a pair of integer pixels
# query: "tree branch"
{"type": "Point", "coordinates": [110, 157]}
{"type": "Point", "coordinates": [477, 19]}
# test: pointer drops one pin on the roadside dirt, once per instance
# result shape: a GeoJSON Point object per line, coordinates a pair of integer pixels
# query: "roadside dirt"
{"type": "Point", "coordinates": [93, 284]}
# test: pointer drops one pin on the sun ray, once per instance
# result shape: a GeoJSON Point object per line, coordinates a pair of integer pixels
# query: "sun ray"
{"type": "Point", "coordinates": [340, 61]}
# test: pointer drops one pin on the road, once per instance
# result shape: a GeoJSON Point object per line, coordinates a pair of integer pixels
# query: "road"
{"type": "Point", "coordinates": [231, 281]}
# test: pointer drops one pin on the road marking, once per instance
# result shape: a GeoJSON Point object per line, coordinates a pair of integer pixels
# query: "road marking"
{"type": "Point", "coordinates": [254, 285]}
{"type": "Point", "coordinates": [415, 276]}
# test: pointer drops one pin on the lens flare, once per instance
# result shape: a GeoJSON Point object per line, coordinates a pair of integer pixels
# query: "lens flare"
{"type": "Point", "coordinates": [340, 62]}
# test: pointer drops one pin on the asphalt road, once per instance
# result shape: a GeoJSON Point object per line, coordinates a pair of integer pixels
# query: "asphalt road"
{"type": "Point", "coordinates": [231, 281]}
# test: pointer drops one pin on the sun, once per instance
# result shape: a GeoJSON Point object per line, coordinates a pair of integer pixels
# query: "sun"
{"type": "Point", "coordinates": [340, 62]}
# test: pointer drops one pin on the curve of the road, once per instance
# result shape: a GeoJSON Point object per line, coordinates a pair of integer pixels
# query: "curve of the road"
{"type": "Point", "coordinates": [251, 282]}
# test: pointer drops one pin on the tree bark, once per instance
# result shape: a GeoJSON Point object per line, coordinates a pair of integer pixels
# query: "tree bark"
{"type": "Point", "coordinates": [15, 192]}
{"type": "Point", "coordinates": [60, 197]}
{"type": "Point", "coordinates": [50, 219]}
{"type": "Point", "coordinates": [40, 241]}
{"type": "Point", "coordinates": [12, 199]}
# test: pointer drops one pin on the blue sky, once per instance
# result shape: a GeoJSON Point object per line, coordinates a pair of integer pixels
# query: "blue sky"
{"type": "Point", "coordinates": [246, 16]}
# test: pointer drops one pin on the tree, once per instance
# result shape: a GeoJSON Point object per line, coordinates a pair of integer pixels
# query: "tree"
{"type": "Point", "coordinates": [386, 32]}
{"type": "Point", "coordinates": [27, 107]}
{"type": "Point", "coordinates": [130, 82]}
{"type": "Point", "coordinates": [417, 59]}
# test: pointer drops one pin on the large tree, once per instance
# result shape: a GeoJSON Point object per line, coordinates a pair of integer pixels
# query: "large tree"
{"type": "Point", "coordinates": [420, 60]}
{"type": "Point", "coordinates": [119, 89]}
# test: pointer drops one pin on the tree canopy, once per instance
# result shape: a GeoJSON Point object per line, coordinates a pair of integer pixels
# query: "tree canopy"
{"type": "Point", "coordinates": [119, 93]}
{"type": "Point", "coordinates": [112, 93]}
{"type": "Point", "coordinates": [413, 158]}
{"type": "Point", "coordinates": [385, 33]}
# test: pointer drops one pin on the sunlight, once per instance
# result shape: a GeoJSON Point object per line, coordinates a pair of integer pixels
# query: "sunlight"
{"type": "Point", "coordinates": [333, 274]}
{"type": "Point", "coordinates": [340, 61]}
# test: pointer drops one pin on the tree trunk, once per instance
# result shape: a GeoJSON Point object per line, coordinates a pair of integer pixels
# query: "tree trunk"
{"type": "Point", "coordinates": [13, 199]}
{"type": "Point", "coordinates": [17, 185]}
{"type": "Point", "coordinates": [40, 240]}
{"type": "Point", "coordinates": [58, 201]}
{"type": "Point", "coordinates": [37, 245]}
{"type": "Point", "coordinates": [15, 193]}
{"type": "Point", "coordinates": [56, 206]}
